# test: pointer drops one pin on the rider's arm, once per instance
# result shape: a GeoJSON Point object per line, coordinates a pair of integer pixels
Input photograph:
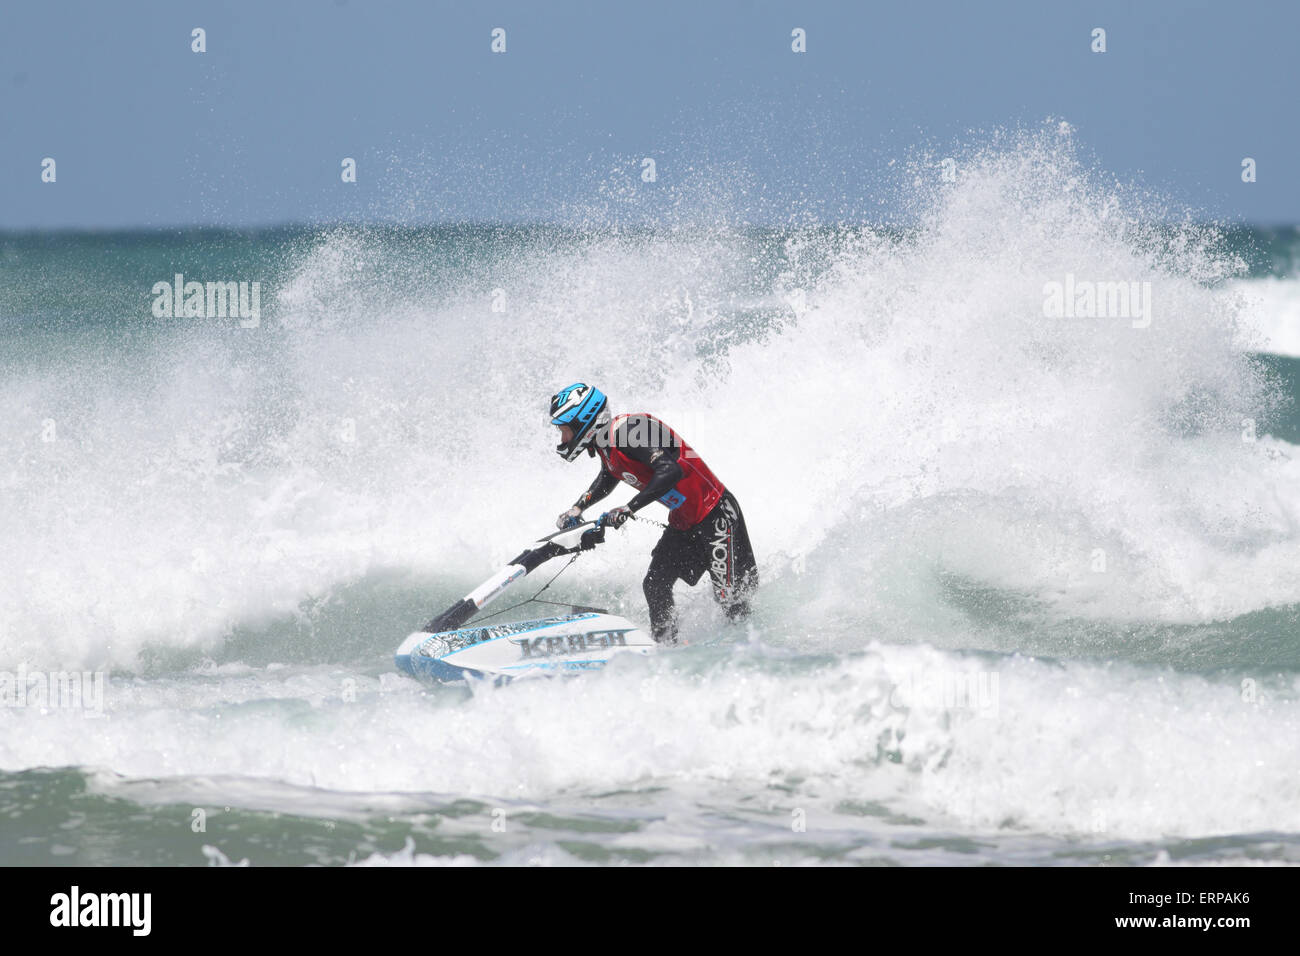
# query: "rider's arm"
{"type": "Point", "coordinates": [600, 488]}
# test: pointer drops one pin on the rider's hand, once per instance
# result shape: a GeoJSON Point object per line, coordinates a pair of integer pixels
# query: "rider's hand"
{"type": "Point", "coordinates": [570, 518]}
{"type": "Point", "coordinates": [615, 519]}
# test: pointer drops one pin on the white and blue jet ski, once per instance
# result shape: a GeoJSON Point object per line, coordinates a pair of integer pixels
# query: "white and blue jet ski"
{"type": "Point", "coordinates": [583, 640]}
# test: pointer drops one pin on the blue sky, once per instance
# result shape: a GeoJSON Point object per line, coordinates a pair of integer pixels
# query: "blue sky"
{"type": "Point", "coordinates": [147, 133]}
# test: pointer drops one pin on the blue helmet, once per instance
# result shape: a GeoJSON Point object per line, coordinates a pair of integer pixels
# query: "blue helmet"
{"type": "Point", "coordinates": [582, 408]}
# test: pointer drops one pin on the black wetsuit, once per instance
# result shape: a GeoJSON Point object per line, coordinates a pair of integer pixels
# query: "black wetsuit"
{"type": "Point", "coordinates": [718, 543]}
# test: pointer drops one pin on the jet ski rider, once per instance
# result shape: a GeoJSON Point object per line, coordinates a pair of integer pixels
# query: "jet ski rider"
{"type": "Point", "coordinates": [706, 530]}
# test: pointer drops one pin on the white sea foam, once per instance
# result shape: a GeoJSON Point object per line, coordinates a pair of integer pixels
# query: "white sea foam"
{"type": "Point", "coordinates": [914, 411]}
{"type": "Point", "coordinates": [1272, 314]}
{"type": "Point", "coordinates": [1078, 750]}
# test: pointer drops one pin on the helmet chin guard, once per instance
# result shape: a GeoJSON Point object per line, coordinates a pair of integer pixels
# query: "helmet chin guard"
{"type": "Point", "coordinates": [583, 408]}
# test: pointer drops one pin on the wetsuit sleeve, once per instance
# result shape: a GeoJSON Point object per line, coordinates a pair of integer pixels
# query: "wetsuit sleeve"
{"type": "Point", "coordinates": [660, 454]}
{"type": "Point", "coordinates": [600, 488]}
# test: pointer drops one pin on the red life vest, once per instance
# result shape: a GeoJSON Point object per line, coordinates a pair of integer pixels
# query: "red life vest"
{"type": "Point", "coordinates": [691, 499]}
